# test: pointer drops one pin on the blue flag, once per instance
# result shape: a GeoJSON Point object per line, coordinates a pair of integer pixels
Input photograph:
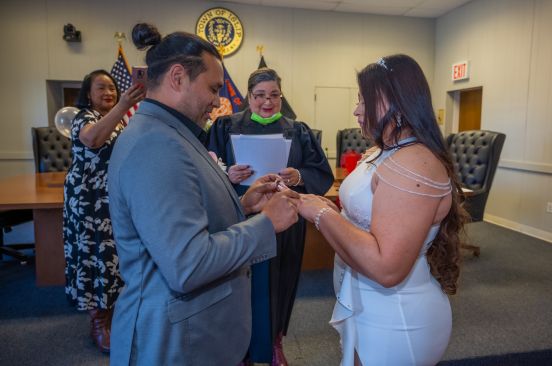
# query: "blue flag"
{"type": "Point", "coordinates": [230, 98]}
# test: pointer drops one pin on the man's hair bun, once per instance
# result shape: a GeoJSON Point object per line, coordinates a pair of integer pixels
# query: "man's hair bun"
{"type": "Point", "coordinates": [145, 35]}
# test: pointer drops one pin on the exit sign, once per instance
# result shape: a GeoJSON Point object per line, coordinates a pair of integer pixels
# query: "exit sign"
{"type": "Point", "coordinates": [460, 71]}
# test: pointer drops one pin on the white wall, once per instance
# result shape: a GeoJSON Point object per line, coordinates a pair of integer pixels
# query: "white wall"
{"type": "Point", "coordinates": [506, 41]}
{"type": "Point", "coordinates": [508, 44]}
{"type": "Point", "coordinates": [307, 48]}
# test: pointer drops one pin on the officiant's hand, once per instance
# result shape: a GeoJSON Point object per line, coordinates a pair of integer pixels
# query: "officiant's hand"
{"type": "Point", "coordinates": [291, 176]}
{"type": "Point", "coordinates": [239, 173]}
{"type": "Point", "coordinates": [259, 193]}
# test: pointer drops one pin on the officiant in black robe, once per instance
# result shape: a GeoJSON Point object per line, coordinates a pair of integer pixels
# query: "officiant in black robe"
{"type": "Point", "coordinates": [274, 283]}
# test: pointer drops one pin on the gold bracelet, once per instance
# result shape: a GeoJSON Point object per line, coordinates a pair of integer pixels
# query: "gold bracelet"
{"type": "Point", "coordinates": [319, 215]}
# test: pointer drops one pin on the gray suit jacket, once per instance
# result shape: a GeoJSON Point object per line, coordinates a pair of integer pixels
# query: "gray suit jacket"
{"type": "Point", "coordinates": [184, 249]}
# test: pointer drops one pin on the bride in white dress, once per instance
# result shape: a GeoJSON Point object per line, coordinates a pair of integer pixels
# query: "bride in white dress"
{"type": "Point", "coordinates": [397, 236]}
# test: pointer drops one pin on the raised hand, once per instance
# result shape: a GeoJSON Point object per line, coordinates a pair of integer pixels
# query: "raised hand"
{"type": "Point", "coordinates": [132, 95]}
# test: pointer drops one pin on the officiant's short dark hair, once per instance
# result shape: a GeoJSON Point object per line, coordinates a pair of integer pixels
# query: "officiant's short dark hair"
{"type": "Point", "coordinates": [263, 74]}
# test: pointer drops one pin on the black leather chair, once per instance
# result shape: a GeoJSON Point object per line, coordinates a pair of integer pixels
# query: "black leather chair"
{"type": "Point", "coordinates": [475, 156]}
{"type": "Point", "coordinates": [350, 139]}
{"type": "Point", "coordinates": [52, 150]}
{"type": "Point", "coordinates": [318, 135]}
{"type": "Point", "coordinates": [52, 153]}
{"type": "Point", "coordinates": [9, 219]}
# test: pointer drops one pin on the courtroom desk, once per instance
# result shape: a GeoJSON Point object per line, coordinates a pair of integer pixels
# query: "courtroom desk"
{"type": "Point", "coordinates": [318, 253]}
{"type": "Point", "coordinates": [340, 174]}
{"type": "Point", "coordinates": [42, 193]}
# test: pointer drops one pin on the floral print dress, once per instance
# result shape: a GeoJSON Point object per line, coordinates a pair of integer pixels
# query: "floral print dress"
{"type": "Point", "coordinates": [92, 265]}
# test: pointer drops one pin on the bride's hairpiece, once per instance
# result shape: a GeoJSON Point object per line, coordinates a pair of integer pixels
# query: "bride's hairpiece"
{"type": "Point", "coordinates": [399, 120]}
{"type": "Point", "coordinates": [382, 63]}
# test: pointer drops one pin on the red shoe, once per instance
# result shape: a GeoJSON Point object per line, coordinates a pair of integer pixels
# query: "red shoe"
{"type": "Point", "coordinates": [278, 357]}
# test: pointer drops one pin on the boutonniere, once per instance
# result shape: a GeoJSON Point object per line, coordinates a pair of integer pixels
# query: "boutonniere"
{"type": "Point", "coordinates": [218, 160]}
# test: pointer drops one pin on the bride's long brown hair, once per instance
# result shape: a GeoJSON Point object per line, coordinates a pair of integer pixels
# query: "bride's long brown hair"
{"type": "Point", "coordinates": [399, 80]}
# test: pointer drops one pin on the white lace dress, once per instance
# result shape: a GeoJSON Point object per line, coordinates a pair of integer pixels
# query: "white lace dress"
{"type": "Point", "coordinates": [408, 324]}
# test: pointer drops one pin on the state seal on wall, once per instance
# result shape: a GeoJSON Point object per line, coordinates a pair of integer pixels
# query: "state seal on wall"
{"type": "Point", "coordinates": [222, 28]}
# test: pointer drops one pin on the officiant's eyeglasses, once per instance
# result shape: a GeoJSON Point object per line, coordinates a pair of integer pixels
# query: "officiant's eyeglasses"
{"type": "Point", "coordinates": [263, 96]}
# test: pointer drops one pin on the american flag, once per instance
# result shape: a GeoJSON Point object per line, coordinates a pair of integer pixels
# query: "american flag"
{"type": "Point", "coordinates": [122, 75]}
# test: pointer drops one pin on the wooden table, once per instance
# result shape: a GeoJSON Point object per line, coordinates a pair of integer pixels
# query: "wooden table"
{"type": "Point", "coordinates": [318, 253]}
{"type": "Point", "coordinates": [42, 193]}
{"type": "Point", "coordinates": [340, 174]}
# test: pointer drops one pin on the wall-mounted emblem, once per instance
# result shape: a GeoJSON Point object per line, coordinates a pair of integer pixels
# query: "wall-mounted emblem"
{"type": "Point", "coordinates": [222, 28]}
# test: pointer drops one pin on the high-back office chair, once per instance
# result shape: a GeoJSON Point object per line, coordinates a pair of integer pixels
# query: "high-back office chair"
{"type": "Point", "coordinates": [350, 139]}
{"type": "Point", "coordinates": [9, 219]}
{"type": "Point", "coordinates": [52, 153]}
{"type": "Point", "coordinates": [318, 135]}
{"type": "Point", "coordinates": [52, 150]}
{"type": "Point", "coordinates": [475, 156]}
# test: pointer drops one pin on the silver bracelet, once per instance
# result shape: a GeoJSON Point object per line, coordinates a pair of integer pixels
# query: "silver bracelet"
{"type": "Point", "coordinates": [319, 215]}
{"type": "Point", "coordinates": [298, 180]}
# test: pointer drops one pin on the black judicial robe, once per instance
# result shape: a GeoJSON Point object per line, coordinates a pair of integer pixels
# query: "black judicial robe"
{"type": "Point", "coordinates": [307, 156]}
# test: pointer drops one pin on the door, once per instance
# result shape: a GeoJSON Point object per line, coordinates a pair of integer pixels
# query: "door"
{"type": "Point", "coordinates": [333, 110]}
{"type": "Point", "coordinates": [470, 109]}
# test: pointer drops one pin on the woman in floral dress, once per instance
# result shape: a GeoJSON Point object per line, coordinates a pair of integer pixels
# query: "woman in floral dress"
{"type": "Point", "coordinates": [92, 275]}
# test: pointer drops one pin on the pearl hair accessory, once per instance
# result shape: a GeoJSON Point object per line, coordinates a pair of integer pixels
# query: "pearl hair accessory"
{"type": "Point", "coordinates": [382, 63]}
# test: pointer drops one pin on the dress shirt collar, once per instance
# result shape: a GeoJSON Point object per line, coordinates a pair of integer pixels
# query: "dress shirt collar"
{"type": "Point", "coordinates": [196, 130]}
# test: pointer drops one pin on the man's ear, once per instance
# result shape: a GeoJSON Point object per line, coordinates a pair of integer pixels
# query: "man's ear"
{"type": "Point", "coordinates": [178, 76]}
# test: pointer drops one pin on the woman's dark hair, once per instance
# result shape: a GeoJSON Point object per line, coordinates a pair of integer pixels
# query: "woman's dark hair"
{"type": "Point", "coordinates": [83, 100]}
{"type": "Point", "coordinates": [181, 48]}
{"type": "Point", "coordinates": [398, 82]}
{"type": "Point", "coordinates": [263, 74]}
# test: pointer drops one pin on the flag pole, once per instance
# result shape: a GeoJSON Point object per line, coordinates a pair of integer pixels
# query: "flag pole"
{"type": "Point", "coordinates": [120, 37]}
{"type": "Point", "coordinates": [220, 49]}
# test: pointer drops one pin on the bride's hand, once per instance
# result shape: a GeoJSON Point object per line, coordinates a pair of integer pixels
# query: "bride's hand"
{"type": "Point", "coordinates": [310, 206]}
{"type": "Point", "coordinates": [331, 204]}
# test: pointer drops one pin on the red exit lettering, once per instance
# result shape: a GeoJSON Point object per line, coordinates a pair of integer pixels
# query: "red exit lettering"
{"type": "Point", "coordinates": [460, 71]}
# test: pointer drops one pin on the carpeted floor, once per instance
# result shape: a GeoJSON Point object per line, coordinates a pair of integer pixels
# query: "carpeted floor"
{"type": "Point", "coordinates": [502, 312]}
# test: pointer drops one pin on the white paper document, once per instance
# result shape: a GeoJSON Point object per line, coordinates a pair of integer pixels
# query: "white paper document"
{"type": "Point", "coordinates": [263, 153]}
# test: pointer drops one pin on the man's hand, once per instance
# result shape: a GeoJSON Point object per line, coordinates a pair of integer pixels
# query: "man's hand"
{"type": "Point", "coordinates": [259, 193]}
{"type": "Point", "coordinates": [281, 209]}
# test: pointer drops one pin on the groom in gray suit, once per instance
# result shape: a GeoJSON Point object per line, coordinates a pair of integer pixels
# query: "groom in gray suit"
{"type": "Point", "coordinates": [183, 240]}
